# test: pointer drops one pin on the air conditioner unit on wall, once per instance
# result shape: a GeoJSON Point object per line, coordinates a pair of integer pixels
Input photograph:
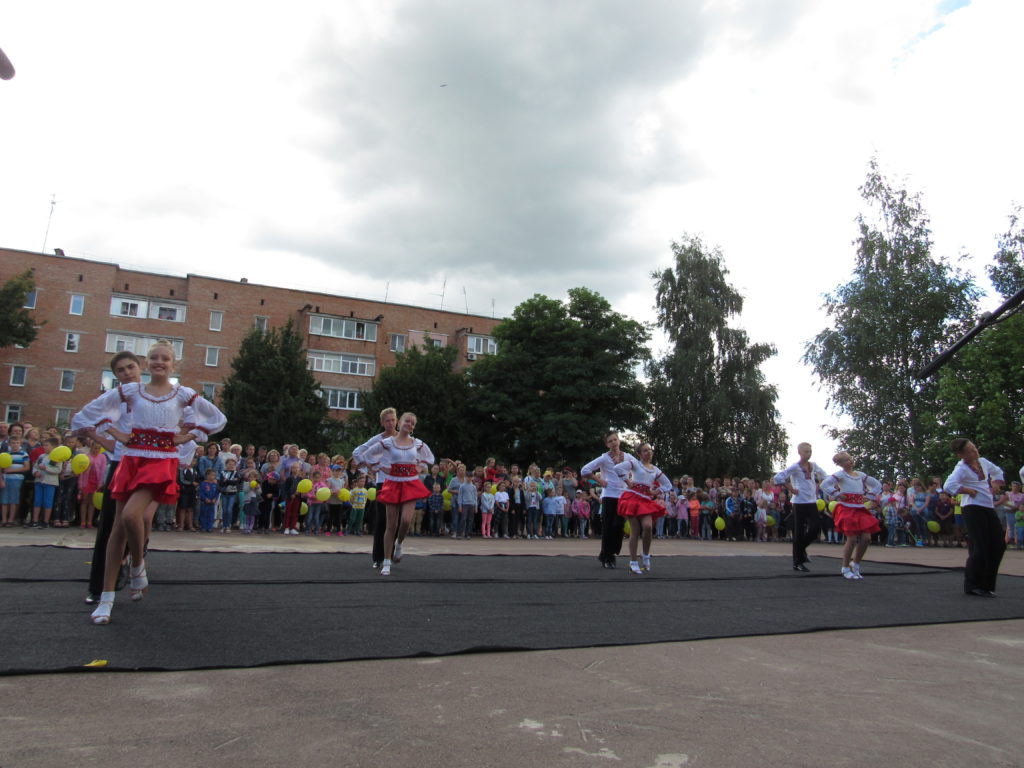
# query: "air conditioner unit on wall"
{"type": "Point", "coordinates": [471, 355]}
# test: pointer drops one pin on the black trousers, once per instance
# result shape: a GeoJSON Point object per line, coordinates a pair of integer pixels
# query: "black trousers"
{"type": "Point", "coordinates": [985, 547]}
{"type": "Point", "coordinates": [99, 548]}
{"type": "Point", "coordinates": [806, 527]}
{"type": "Point", "coordinates": [611, 530]}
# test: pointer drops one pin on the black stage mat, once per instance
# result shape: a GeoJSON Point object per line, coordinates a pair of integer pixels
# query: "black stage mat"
{"type": "Point", "coordinates": [210, 610]}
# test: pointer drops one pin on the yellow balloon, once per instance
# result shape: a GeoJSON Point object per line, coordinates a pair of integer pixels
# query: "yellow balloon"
{"type": "Point", "coordinates": [934, 526]}
{"type": "Point", "coordinates": [821, 505]}
{"type": "Point", "coordinates": [323, 494]}
{"type": "Point", "coordinates": [345, 494]}
{"type": "Point", "coordinates": [446, 495]}
{"type": "Point", "coordinates": [448, 504]}
{"type": "Point", "coordinates": [253, 484]}
{"type": "Point", "coordinates": [304, 509]}
{"type": "Point", "coordinates": [494, 488]}
{"type": "Point", "coordinates": [371, 493]}
{"type": "Point", "coordinates": [769, 521]}
{"type": "Point", "coordinates": [59, 454]}
{"type": "Point", "coordinates": [80, 462]}
{"type": "Point", "coordinates": [5, 460]}
{"type": "Point", "coordinates": [97, 500]}
{"type": "Point", "coordinates": [720, 523]}
{"type": "Point", "coordinates": [832, 506]}
{"type": "Point", "coordinates": [869, 504]}
{"type": "Point", "coordinates": [305, 485]}
{"type": "Point", "coordinates": [627, 529]}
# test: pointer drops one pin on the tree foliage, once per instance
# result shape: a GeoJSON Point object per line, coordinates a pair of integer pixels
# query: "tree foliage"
{"type": "Point", "coordinates": [981, 391]}
{"type": "Point", "coordinates": [16, 323]}
{"type": "Point", "coordinates": [423, 380]}
{"type": "Point", "coordinates": [711, 410]}
{"type": "Point", "coordinates": [271, 396]}
{"type": "Point", "coordinates": [899, 310]}
{"type": "Point", "coordinates": [564, 374]}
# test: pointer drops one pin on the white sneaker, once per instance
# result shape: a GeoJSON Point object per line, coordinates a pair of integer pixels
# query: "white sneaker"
{"type": "Point", "coordinates": [647, 563]}
{"type": "Point", "coordinates": [847, 573]}
{"type": "Point", "coordinates": [634, 566]}
{"type": "Point", "coordinates": [385, 568]}
{"type": "Point", "coordinates": [855, 567]}
{"type": "Point", "coordinates": [398, 552]}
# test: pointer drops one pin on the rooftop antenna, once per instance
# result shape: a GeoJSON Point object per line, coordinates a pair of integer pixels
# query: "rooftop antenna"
{"type": "Point", "coordinates": [444, 286]}
{"type": "Point", "coordinates": [465, 298]}
{"type": "Point", "coordinates": [492, 307]}
{"type": "Point", "coordinates": [387, 289]}
{"type": "Point", "coordinates": [53, 204]}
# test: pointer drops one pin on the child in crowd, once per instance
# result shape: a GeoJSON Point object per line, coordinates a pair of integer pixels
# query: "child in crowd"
{"type": "Point", "coordinates": [893, 523]}
{"type": "Point", "coordinates": [208, 495]}
{"type": "Point", "coordinates": [251, 496]}
{"type": "Point", "coordinates": [553, 508]}
{"type": "Point", "coordinates": [581, 511]}
{"type": "Point", "coordinates": [702, 527]}
{"type": "Point", "coordinates": [358, 501]}
{"type": "Point", "coordinates": [335, 506]}
{"type": "Point", "coordinates": [89, 482]}
{"type": "Point", "coordinates": [228, 484]}
{"type": "Point", "coordinates": [164, 518]}
{"type": "Point", "coordinates": [533, 501]}
{"type": "Point", "coordinates": [501, 507]}
{"type": "Point", "coordinates": [944, 517]}
{"type": "Point", "coordinates": [315, 506]}
{"type": "Point", "coordinates": [14, 478]}
{"type": "Point", "coordinates": [293, 500]}
{"type": "Point", "coordinates": [269, 491]}
{"type": "Point", "coordinates": [486, 511]}
{"type": "Point", "coordinates": [47, 477]}
{"type": "Point", "coordinates": [435, 503]}
{"type": "Point", "coordinates": [188, 494]}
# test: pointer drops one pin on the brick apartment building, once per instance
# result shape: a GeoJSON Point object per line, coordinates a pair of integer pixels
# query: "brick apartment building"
{"type": "Point", "coordinates": [88, 310]}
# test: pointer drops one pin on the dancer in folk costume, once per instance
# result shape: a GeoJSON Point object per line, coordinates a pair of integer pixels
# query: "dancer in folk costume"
{"type": "Point", "coordinates": [399, 458]}
{"type": "Point", "coordinates": [388, 421]}
{"type": "Point", "coordinates": [148, 470]}
{"type": "Point", "coordinates": [854, 492]}
{"type": "Point", "coordinates": [602, 471]}
{"type": "Point", "coordinates": [642, 502]}
{"type": "Point", "coordinates": [802, 479]}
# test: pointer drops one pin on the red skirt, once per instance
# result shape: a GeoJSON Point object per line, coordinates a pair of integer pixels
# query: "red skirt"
{"type": "Point", "coordinates": [158, 475]}
{"type": "Point", "coordinates": [399, 492]}
{"type": "Point", "coordinates": [851, 521]}
{"type": "Point", "coordinates": [635, 505]}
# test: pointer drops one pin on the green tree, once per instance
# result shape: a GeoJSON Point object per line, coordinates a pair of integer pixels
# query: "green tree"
{"type": "Point", "coordinates": [900, 309]}
{"type": "Point", "coordinates": [16, 323]}
{"type": "Point", "coordinates": [423, 380]}
{"type": "Point", "coordinates": [712, 412]}
{"type": "Point", "coordinates": [981, 390]}
{"type": "Point", "coordinates": [271, 396]}
{"type": "Point", "coordinates": [565, 373]}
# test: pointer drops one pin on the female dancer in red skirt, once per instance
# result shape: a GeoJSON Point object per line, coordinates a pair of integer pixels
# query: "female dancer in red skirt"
{"type": "Point", "coordinates": [853, 492]}
{"type": "Point", "coordinates": [643, 502]}
{"type": "Point", "coordinates": [399, 457]}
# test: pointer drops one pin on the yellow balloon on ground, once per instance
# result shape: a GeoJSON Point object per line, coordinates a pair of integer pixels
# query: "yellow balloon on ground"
{"type": "Point", "coordinates": [821, 505]}
{"type": "Point", "coordinates": [79, 463]}
{"type": "Point", "coordinates": [832, 506]}
{"type": "Point", "coordinates": [720, 523]}
{"type": "Point", "coordinates": [323, 494]}
{"type": "Point", "coordinates": [371, 493]}
{"type": "Point", "coordinates": [59, 454]}
{"type": "Point", "coordinates": [97, 500]}
{"type": "Point", "coordinates": [934, 526]}
{"type": "Point", "coordinates": [345, 494]}
{"type": "Point", "coordinates": [770, 521]}
{"type": "Point", "coordinates": [305, 485]}
{"type": "Point", "coordinates": [304, 509]}
{"type": "Point", "coordinates": [5, 460]}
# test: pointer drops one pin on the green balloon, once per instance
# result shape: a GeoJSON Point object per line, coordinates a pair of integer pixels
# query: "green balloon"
{"type": "Point", "coordinates": [934, 526]}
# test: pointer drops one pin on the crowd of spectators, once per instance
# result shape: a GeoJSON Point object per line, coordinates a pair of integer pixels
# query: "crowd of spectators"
{"type": "Point", "coordinates": [249, 489]}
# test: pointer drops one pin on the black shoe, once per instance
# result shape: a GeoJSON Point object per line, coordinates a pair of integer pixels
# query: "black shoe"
{"type": "Point", "coordinates": [802, 568]}
{"type": "Point", "coordinates": [122, 577]}
{"type": "Point", "coordinates": [91, 599]}
{"type": "Point", "coordinates": [610, 563]}
{"type": "Point", "coordinates": [376, 565]}
{"type": "Point", "coordinates": [979, 592]}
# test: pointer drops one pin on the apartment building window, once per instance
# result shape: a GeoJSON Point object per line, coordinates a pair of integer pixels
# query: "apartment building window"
{"type": "Point", "coordinates": [174, 313]}
{"type": "Point", "coordinates": [77, 304]}
{"type": "Point", "coordinates": [334, 363]}
{"type": "Point", "coordinates": [213, 356]}
{"type": "Point", "coordinates": [30, 303]}
{"type": "Point", "coordinates": [67, 381]}
{"type": "Point", "coordinates": [397, 342]}
{"type": "Point", "coordinates": [19, 375]}
{"type": "Point", "coordinates": [343, 399]}
{"type": "Point", "coordinates": [140, 344]}
{"type": "Point", "coordinates": [481, 345]}
{"type": "Point", "coordinates": [342, 328]}
{"type": "Point", "coordinates": [209, 391]}
{"type": "Point", "coordinates": [13, 413]}
{"type": "Point", "coordinates": [260, 323]}
{"type": "Point", "coordinates": [216, 320]}
{"type": "Point", "coordinates": [62, 417]}
{"type": "Point", "coordinates": [122, 306]}
{"type": "Point", "coordinates": [72, 342]}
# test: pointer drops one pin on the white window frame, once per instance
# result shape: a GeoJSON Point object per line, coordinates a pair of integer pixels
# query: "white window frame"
{"type": "Point", "coordinates": [343, 328]}
{"type": "Point", "coordinates": [156, 307]}
{"type": "Point", "coordinates": [129, 306]}
{"type": "Point", "coordinates": [72, 339]}
{"type": "Point", "coordinates": [71, 304]}
{"type": "Point", "coordinates": [481, 345]}
{"type": "Point", "coordinates": [216, 320]}
{"type": "Point", "coordinates": [342, 399]}
{"type": "Point", "coordinates": [63, 416]}
{"type": "Point", "coordinates": [12, 412]}
{"type": "Point", "coordinates": [63, 374]}
{"type": "Point", "coordinates": [139, 344]}
{"type": "Point", "coordinates": [24, 375]}
{"type": "Point", "coordinates": [261, 323]}
{"type": "Point", "coordinates": [209, 390]}
{"type": "Point", "coordinates": [335, 362]}
{"type": "Point", "coordinates": [397, 342]}
{"type": "Point", "coordinates": [216, 357]}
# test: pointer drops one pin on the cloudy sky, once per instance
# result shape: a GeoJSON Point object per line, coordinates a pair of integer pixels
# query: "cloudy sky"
{"type": "Point", "coordinates": [499, 149]}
